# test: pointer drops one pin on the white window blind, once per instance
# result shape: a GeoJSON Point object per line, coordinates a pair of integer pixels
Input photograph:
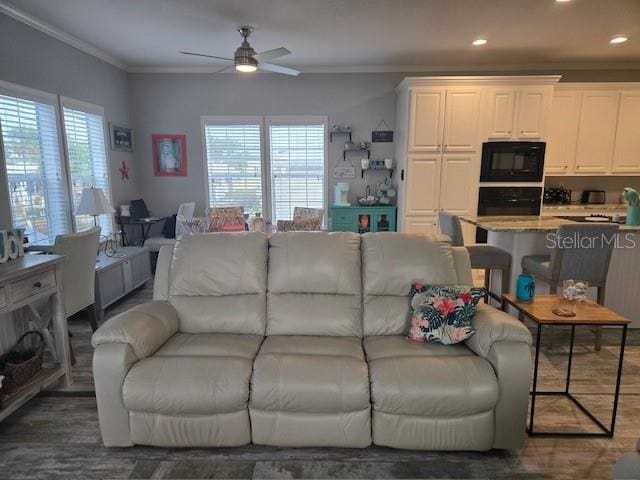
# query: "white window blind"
{"type": "Point", "coordinates": [234, 166]}
{"type": "Point", "coordinates": [88, 167]}
{"type": "Point", "coordinates": [297, 168]}
{"type": "Point", "coordinates": [37, 189]}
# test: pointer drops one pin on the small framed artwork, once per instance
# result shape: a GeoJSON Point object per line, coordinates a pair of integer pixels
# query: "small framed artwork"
{"type": "Point", "coordinates": [121, 138]}
{"type": "Point", "coordinates": [169, 155]}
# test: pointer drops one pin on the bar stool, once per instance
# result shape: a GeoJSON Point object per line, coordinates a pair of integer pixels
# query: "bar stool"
{"type": "Point", "coordinates": [485, 257]}
{"type": "Point", "coordinates": [582, 252]}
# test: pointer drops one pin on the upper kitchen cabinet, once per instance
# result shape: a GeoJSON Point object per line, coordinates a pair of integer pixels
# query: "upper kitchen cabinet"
{"type": "Point", "coordinates": [500, 112]}
{"type": "Point", "coordinates": [626, 154]}
{"type": "Point", "coordinates": [563, 133]}
{"type": "Point", "coordinates": [533, 106]}
{"type": "Point", "coordinates": [462, 109]}
{"type": "Point", "coordinates": [596, 132]}
{"type": "Point", "coordinates": [427, 120]}
{"type": "Point", "coordinates": [518, 112]}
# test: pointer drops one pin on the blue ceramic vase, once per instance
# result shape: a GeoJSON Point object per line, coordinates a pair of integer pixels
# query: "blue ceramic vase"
{"type": "Point", "coordinates": [525, 287]}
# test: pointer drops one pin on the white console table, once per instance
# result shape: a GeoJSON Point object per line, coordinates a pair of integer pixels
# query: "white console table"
{"type": "Point", "coordinates": [24, 281]}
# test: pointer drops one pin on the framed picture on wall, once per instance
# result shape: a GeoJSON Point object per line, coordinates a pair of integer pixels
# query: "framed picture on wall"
{"type": "Point", "coordinates": [169, 155]}
{"type": "Point", "coordinates": [121, 138]}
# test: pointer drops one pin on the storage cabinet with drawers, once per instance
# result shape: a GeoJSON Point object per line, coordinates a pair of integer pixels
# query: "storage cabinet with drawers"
{"type": "Point", "coordinates": [380, 218]}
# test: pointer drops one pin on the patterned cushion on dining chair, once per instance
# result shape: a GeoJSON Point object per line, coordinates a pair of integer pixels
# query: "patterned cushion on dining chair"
{"type": "Point", "coordinates": [308, 212]}
{"type": "Point", "coordinates": [226, 219]}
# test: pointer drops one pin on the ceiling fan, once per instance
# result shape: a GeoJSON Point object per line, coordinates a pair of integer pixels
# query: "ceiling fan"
{"type": "Point", "coordinates": [245, 59]}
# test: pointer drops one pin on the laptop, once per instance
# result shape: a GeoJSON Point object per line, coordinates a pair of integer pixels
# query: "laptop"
{"type": "Point", "coordinates": [139, 211]}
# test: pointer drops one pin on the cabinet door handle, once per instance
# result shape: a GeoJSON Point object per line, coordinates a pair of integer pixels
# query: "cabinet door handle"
{"type": "Point", "coordinates": [402, 174]}
{"type": "Point", "coordinates": [37, 284]}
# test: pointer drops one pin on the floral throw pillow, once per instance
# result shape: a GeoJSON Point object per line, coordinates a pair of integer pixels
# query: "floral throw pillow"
{"type": "Point", "coordinates": [443, 313]}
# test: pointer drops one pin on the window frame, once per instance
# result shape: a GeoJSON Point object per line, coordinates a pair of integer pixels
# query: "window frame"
{"type": "Point", "coordinates": [57, 102]}
{"type": "Point", "coordinates": [91, 109]}
{"type": "Point", "coordinates": [298, 120]}
{"type": "Point", "coordinates": [264, 122]}
{"type": "Point", "coordinates": [31, 94]}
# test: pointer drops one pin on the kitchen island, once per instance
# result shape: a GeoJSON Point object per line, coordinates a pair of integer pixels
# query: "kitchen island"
{"type": "Point", "coordinates": [533, 235]}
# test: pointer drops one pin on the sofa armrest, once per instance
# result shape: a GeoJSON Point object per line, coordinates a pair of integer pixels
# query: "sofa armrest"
{"type": "Point", "coordinates": [493, 325]}
{"type": "Point", "coordinates": [144, 327]}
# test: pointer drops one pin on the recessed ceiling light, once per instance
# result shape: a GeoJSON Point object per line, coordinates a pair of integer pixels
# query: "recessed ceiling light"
{"type": "Point", "coordinates": [479, 41]}
{"type": "Point", "coordinates": [563, 1]}
{"type": "Point", "coordinates": [618, 39]}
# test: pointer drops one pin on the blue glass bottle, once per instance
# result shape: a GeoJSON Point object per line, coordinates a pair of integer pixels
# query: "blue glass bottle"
{"type": "Point", "coordinates": [525, 287]}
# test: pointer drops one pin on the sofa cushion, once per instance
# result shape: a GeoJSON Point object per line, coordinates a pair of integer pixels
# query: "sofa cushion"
{"type": "Point", "coordinates": [433, 386]}
{"type": "Point", "coordinates": [314, 284]}
{"type": "Point", "coordinates": [323, 380]}
{"type": "Point", "coordinates": [391, 262]}
{"type": "Point", "coordinates": [313, 345]}
{"type": "Point", "coordinates": [218, 282]}
{"type": "Point", "coordinates": [386, 346]}
{"type": "Point", "coordinates": [211, 345]}
{"type": "Point", "coordinates": [188, 385]}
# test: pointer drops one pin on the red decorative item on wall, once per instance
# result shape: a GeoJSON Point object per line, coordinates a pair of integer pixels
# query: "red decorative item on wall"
{"type": "Point", "coordinates": [124, 170]}
{"type": "Point", "coordinates": [169, 155]}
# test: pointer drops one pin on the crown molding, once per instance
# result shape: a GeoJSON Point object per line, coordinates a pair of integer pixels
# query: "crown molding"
{"type": "Point", "coordinates": [58, 34]}
{"type": "Point", "coordinates": [524, 68]}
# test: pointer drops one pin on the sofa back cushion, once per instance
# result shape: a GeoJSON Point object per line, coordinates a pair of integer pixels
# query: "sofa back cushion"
{"type": "Point", "coordinates": [314, 284]}
{"type": "Point", "coordinates": [218, 282]}
{"type": "Point", "coordinates": [391, 262]}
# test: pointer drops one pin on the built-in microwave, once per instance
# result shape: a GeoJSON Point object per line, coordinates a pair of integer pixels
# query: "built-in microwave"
{"type": "Point", "coordinates": [512, 161]}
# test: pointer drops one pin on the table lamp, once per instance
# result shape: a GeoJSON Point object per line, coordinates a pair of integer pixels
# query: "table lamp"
{"type": "Point", "coordinates": [93, 202]}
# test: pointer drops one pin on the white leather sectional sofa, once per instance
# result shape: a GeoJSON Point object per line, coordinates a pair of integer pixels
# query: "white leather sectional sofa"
{"type": "Point", "coordinates": [300, 341]}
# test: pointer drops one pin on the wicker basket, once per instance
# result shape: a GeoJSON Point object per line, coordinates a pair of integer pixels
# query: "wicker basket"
{"type": "Point", "coordinates": [22, 363]}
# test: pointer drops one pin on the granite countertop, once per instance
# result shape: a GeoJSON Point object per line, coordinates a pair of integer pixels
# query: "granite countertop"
{"type": "Point", "coordinates": [602, 207]}
{"type": "Point", "coordinates": [526, 223]}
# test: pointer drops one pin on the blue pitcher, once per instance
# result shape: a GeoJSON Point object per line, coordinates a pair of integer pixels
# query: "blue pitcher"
{"type": "Point", "coordinates": [525, 287]}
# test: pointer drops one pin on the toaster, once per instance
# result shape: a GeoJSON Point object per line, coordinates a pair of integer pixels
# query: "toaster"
{"type": "Point", "coordinates": [593, 197]}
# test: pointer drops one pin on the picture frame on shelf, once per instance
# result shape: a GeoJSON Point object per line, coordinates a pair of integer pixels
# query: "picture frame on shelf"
{"type": "Point", "coordinates": [169, 155]}
{"type": "Point", "coordinates": [121, 138]}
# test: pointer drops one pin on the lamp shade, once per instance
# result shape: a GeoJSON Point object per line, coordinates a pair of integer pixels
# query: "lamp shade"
{"type": "Point", "coordinates": [93, 202]}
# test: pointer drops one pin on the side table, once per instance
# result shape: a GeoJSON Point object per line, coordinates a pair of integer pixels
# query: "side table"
{"type": "Point", "coordinates": [540, 311]}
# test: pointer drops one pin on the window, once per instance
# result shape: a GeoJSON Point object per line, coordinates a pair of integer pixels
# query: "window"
{"type": "Point", "coordinates": [297, 168]}
{"type": "Point", "coordinates": [234, 166]}
{"type": "Point", "coordinates": [87, 158]}
{"type": "Point", "coordinates": [36, 183]}
{"type": "Point", "coordinates": [44, 185]}
{"type": "Point", "coordinates": [288, 172]}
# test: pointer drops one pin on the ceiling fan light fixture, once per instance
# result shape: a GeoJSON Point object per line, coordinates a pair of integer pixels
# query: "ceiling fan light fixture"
{"type": "Point", "coordinates": [246, 64]}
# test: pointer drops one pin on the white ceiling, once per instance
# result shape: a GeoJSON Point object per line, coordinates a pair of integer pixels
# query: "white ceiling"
{"type": "Point", "coordinates": [353, 35]}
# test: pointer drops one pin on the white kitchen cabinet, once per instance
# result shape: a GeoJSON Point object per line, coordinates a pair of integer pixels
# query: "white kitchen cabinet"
{"type": "Point", "coordinates": [626, 154]}
{"type": "Point", "coordinates": [427, 120]}
{"type": "Point", "coordinates": [462, 109]}
{"type": "Point", "coordinates": [421, 225]}
{"type": "Point", "coordinates": [563, 133]}
{"type": "Point", "coordinates": [518, 112]}
{"type": "Point", "coordinates": [532, 108]}
{"type": "Point", "coordinates": [423, 185]}
{"type": "Point", "coordinates": [458, 184]}
{"type": "Point", "coordinates": [500, 112]}
{"type": "Point", "coordinates": [596, 132]}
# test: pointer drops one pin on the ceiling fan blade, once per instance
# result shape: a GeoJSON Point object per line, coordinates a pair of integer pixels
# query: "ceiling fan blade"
{"type": "Point", "coordinates": [228, 67]}
{"type": "Point", "coordinates": [206, 56]}
{"type": "Point", "coordinates": [270, 67]}
{"type": "Point", "coordinates": [271, 54]}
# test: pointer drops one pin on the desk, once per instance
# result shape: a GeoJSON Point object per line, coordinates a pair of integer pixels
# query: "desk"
{"type": "Point", "coordinates": [23, 282]}
{"type": "Point", "coordinates": [145, 227]}
{"type": "Point", "coordinates": [540, 311]}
